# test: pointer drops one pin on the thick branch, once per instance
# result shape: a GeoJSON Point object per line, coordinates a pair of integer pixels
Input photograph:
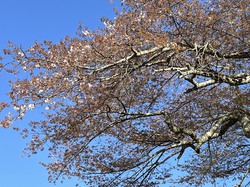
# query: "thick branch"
{"type": "Point", "coordinates": [219, 77]}
{"type": "Point", "coordinates": [200, 85]}
{"type": "Point", "coordinates": [178, 130]}
{"type": "Point", "coordinates": [134, 54]}
{"type": "Point", "coordinates": [236, 55]}
{"type": "Point", "coordinates": [211, 133]}
{"type": "Point", "coordinates": [245, 121]}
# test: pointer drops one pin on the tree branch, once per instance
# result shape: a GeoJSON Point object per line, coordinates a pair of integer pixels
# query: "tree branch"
{"type": "Point", "coordinates": [211, 133]}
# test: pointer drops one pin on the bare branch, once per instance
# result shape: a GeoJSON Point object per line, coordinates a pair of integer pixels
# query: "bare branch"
{"type": "Point", "coordinates": [211, 133]}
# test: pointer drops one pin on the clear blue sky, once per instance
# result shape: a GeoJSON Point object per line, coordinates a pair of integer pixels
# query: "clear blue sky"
{"type": "Point", "coordinates": [23, 22]}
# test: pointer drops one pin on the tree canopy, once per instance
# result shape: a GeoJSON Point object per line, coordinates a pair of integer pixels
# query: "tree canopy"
{"type": "Point", "coordinates": [159, 95]}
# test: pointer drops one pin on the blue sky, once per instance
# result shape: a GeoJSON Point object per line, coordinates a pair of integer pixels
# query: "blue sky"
{"type": "Point", "coordinates": [23, 22]}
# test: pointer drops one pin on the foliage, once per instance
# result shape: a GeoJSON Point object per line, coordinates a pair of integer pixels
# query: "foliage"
{"type": "Point", "coordinates": [124, 103]}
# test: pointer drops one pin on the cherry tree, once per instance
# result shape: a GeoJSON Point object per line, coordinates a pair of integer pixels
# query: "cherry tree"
{"type": "Point", "coordinates": [159, 95]}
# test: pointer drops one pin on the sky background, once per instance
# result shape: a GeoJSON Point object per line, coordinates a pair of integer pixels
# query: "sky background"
{"type": "Point", "coordinates": [23, 22]}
